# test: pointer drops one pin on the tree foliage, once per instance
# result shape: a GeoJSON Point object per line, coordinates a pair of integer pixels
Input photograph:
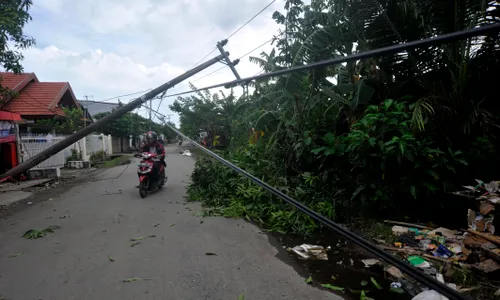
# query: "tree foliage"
{"type": "Point", "coordinates": [384, 136]}
{"type": "Point", "coordinates": [133, 124]}
{"type": "Point", "coordinates": [14, 15]}
{"type": "Point", "coordinates": [73, 121]}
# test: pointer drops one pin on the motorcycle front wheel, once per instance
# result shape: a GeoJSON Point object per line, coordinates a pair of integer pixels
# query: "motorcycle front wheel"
{"type": "Point", "coordinates": [143, 188]}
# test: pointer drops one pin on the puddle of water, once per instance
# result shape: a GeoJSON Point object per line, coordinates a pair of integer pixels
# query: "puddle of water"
{"type": "Point", "coordinates": [344, 264]}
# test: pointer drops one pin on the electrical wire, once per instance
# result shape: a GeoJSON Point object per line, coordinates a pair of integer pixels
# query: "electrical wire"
{"type": "Point", "coordinates": [442, 39]}
{"type": "Point", "coordinates": [204, 58]}
{"type": "Point", "coordinates": [360, 241]}
{"type": "Point", "coordinates": [226, 66]}
{"type": "Point", "coordinates": [236, 31]}
{"type": "Point", "coordinates": [251, 19]}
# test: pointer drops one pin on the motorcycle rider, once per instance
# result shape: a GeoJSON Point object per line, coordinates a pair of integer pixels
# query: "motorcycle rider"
{"type": "Point", "coordinates": [153, 146]}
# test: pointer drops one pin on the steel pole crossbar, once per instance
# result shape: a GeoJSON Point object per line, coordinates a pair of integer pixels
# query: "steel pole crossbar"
{"type": "Point", "coordinates": [40, 157]}
{"type": "Point", "coordinates": [346, 233]}
{"type": "Point", "coordinates": [438, 40]}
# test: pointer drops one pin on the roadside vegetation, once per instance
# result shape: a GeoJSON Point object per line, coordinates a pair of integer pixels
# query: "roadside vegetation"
{"type": "Point", "coordinates": [385, 137]}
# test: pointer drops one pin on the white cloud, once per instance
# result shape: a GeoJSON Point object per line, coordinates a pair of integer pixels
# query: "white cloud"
{"type": "Point", "coordinates": [116, 47]}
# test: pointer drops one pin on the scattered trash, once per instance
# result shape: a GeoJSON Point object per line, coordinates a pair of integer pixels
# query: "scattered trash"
{"type": "Point", "coordinates": [29, 203]}
{"type": "Point", "coordinates": [395, 285]}
{"type": "Point", "coordinates": [306, 251]}
{"type": "Point", "coordinates": [156, 225]}
{"type": "Point", "coordinates": [135, 279]}
{"type": "Point", "coordinates": [135, 244]}
{"type": "Point", "coordinates": [110, 258]}
{"type": "Point", "coordinates": [332, 287]}
{"type": "Point", "coordinates": [394, 272]}
{"type": "Point", "coordinates": [64, 217]}
{"type": "Point", "coordinates": [187, 153]}
{"type": "Point", "coordinates": [16, 255]}
{"type": "Point", "coordinates": [38, 233]}
{"type": "Point", "coordinates": [418, 262]}
{"type": "Point", "coordinates": [371, 262]}
{"type": "Point", "coordinates": [210, 254]}
{"type": "Point", "coordinates": [487, 266]}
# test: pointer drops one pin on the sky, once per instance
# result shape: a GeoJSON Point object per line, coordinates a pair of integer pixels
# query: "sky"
{"type": "Point", "coordinates": [105, 49]}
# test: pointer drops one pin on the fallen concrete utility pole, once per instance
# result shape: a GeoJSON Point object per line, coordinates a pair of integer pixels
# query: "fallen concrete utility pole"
{"type": "Point", "coordinates": [40, 157]}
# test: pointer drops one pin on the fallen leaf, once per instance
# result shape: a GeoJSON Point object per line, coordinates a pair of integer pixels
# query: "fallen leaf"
{"type": "Point", "coordinates": [15, 255]}
{"type": "Point", "coordinates": [397, 290]}
{"type": "Point", "coordinates": [241, 297]}
{"type": "Point", "coordinates": [364, 283]}
{"type": "Point", "coordinates": [142, 238]}
{"type": "Point", "coordinates": [38, 233]}
{"type": "Point", "coordinates": [172, 225]}
{"type": "Point", "coordinates": [110, 258]}
{"type": "Point", "coordinates": [309, 280]}
{"type": "Point", "coordinates": [364, 297]}
{"type": "Point", "coordinates": [375, 283]}
{"type": "Point", "coordinates": [332, 287]}
{"type": "Point", "coordinates": [211, 253]}
{"type": "Point", "coordinates": [135, 244]}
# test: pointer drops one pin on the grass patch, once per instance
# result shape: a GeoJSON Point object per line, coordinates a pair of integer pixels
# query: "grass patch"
{"type": "Point", "coordinates": [117, 161]}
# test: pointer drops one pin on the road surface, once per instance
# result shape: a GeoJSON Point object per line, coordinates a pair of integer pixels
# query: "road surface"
{"type": "Point", "coordinates": [98, 218]}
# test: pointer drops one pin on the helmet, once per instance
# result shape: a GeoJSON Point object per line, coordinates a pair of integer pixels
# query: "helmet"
{"type": "Point", "coordinates": [151, 137]}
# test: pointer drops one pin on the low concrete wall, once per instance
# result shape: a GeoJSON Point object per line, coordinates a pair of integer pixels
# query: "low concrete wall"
{"type": "Point", "coordinates": [45, 173]}
{"type": "Point", "coordinates": [80, 164]}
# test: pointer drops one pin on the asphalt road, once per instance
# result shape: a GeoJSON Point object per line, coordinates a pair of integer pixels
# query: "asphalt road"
{"type": "Point", "coordinates": [98, 219]}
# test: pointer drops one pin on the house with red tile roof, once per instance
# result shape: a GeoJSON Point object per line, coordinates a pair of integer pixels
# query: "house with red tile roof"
{"type": "Point", "coordinates": [35, 100]}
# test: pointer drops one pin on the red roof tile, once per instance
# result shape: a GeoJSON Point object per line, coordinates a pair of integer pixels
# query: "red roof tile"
{"type": "Point", "coordinates": [16, 82]}
{"type": "Point", "coordinates": [38, 98]}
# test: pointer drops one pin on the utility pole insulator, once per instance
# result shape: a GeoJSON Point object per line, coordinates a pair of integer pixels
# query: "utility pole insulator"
{"type": "Point", "coordinates": [236, 61]}
{"type": "Point", "coordinates": [226, 58]}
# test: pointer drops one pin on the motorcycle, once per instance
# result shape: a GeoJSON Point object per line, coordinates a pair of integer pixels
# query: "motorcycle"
{"type": "Point", "coordinates": [145, 172]}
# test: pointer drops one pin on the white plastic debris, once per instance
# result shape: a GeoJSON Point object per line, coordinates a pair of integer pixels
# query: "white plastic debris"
{"type": "Point", "coordinates": [306, 251]}
{"type": "Point", "coordinates": [370, 262]}
{"type": "Point", "coordinates": [187, 153]}
{"type": "Point", "coordinates": [429, 295]}
{"type": "Point", "coordinates": [433, 295]}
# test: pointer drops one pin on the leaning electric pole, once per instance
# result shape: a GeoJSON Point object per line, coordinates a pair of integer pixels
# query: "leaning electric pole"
{"type": "Point", "coordinates": [40, 157]}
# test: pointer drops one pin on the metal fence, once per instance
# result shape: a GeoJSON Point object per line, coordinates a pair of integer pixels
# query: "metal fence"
{"type": "Point", "coordinates": [32, 144]}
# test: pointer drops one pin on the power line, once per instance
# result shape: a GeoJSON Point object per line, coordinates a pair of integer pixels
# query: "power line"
{"type": "Point", "coordinates": [237, 30]}
{"type": "Point", "coordinates": [442, 39]}
{"type": "Point", "coordinates": [239, 58]}
{"type": "Point", "coordinates": [126, 95]}
{"type": "Point", "coordinates": [251, 19]}
{"type": "Point", "coordinates": [204, 57]}
{"type": "Point", "coordinates": [360, 241]}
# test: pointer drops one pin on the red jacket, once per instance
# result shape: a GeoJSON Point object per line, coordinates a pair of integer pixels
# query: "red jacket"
{"type": "Point", "coordinates": [160, 150]}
